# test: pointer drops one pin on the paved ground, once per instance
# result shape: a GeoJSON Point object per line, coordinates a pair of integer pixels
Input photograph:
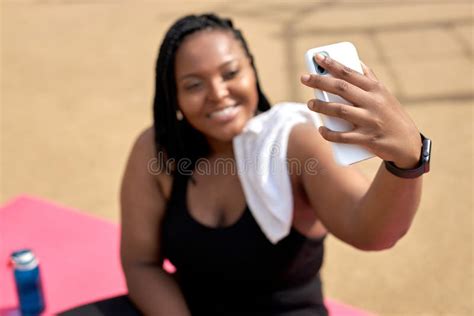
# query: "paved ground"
{"type": "Point", "coordinates": [77, 81]}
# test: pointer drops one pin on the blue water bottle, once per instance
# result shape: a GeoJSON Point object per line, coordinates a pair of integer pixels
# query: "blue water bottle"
{"type": "Point", "coordinates": [28, 282]}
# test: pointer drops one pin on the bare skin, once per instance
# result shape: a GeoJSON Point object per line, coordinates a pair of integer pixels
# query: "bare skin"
{"type": "Point", "coordinates": [370, 216]}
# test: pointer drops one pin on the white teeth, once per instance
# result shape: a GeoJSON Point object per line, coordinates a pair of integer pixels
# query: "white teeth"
{"type": "Point", "coordinates": [225, 111]}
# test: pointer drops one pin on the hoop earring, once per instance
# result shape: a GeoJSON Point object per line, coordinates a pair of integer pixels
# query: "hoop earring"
{"type": "Point", "coordinates": [179, 115]}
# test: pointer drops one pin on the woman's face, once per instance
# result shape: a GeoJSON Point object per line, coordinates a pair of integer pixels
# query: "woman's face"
{"type": "Point", "coordinates": [216, 84]}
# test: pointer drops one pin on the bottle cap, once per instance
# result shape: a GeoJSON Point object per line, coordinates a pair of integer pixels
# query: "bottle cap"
{"type": "Point", "coordinates": [24, 259]}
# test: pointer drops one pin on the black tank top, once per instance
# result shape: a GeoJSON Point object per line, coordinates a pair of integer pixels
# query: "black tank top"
{"type": "Point", "coordinates": [236, 270]}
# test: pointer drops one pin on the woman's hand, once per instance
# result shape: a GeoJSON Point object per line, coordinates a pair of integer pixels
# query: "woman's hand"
{"type": "Point", "coordinates": [380, 123]}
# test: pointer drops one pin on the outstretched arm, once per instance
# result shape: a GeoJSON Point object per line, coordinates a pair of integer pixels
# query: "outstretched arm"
{"type": "Point", "coordinates": [369, 216]}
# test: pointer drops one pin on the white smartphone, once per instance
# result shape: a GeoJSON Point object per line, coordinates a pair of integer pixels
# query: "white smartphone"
{"type": "Point", "coordinates": [346, 54]}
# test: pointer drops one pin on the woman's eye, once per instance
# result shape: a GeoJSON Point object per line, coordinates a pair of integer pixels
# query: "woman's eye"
{"type": "Point", "coordinates": [230, 74]}
{"type": "Point", "coordinates": [192, 86]}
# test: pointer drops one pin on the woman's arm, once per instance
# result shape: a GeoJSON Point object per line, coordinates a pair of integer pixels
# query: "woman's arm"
{"type": "Point", "coordinates": [369, 216]}
{"type": "Point", "coordinates": [388, 208]}
{"type": "Point", "coordinates": [142, 208]}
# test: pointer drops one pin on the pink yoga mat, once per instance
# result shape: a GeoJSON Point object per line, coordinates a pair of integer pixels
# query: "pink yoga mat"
{"type": "Point", "coordinates": [78, 253]}
{"type": "Point", "coordinates": [79, 256]}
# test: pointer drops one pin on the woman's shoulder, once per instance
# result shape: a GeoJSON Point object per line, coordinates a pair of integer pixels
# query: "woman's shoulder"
{"type": "Point", "coordinates": [144, 144]}
{"type": "Point", "coordinates": [145, 151]}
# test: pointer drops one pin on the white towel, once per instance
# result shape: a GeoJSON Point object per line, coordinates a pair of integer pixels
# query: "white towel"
{"type": "Point", "coordinates": [261, 156]}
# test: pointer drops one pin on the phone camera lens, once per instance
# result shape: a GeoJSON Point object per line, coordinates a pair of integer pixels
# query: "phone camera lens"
{"type": "Point", "coordinates": [320, 70]}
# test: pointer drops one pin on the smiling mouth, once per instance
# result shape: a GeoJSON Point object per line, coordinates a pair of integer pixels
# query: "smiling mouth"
{"type": "Point", "coordinates": [225, 112]}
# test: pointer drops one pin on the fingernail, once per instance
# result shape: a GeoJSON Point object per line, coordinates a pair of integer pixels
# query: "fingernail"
{"type": "Point", "coordinates": [320, 57]}
{"type": "Point", "coordinates": [311, 104]}
{"type": "Point", "coordinates": [305, 78]}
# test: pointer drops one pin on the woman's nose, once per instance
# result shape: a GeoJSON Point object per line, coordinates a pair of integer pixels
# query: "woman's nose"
{"type": "Point", "coordinates": [218, 90]}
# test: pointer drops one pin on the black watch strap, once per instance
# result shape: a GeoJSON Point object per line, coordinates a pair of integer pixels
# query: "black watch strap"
{"type": "Point", "coordinates": [422, 167]}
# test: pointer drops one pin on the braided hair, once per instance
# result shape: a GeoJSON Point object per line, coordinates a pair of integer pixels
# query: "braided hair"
{"type": "Point", "coordinates": [177, 139]}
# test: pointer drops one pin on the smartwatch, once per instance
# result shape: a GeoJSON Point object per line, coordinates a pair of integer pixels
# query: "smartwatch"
{"type": "Point", "coordinates": [422, 167]}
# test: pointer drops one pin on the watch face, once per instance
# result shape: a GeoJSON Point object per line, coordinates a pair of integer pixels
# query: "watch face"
{"type": "Point", "coordinates": [423, 166]}
{"type": "Point", "coordinates": [426, 152]}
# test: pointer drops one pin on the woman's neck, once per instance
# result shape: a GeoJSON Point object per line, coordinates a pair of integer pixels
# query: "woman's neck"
{"type": "Point", "coordinates": [221, 149]}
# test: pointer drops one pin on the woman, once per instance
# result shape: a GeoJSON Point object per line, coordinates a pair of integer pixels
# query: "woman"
{"type": "Point", "coordinates": [206, 92]}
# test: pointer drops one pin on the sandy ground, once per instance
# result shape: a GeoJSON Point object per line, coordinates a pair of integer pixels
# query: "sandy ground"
{"type": "Point", "coordinates": [77, 85]}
